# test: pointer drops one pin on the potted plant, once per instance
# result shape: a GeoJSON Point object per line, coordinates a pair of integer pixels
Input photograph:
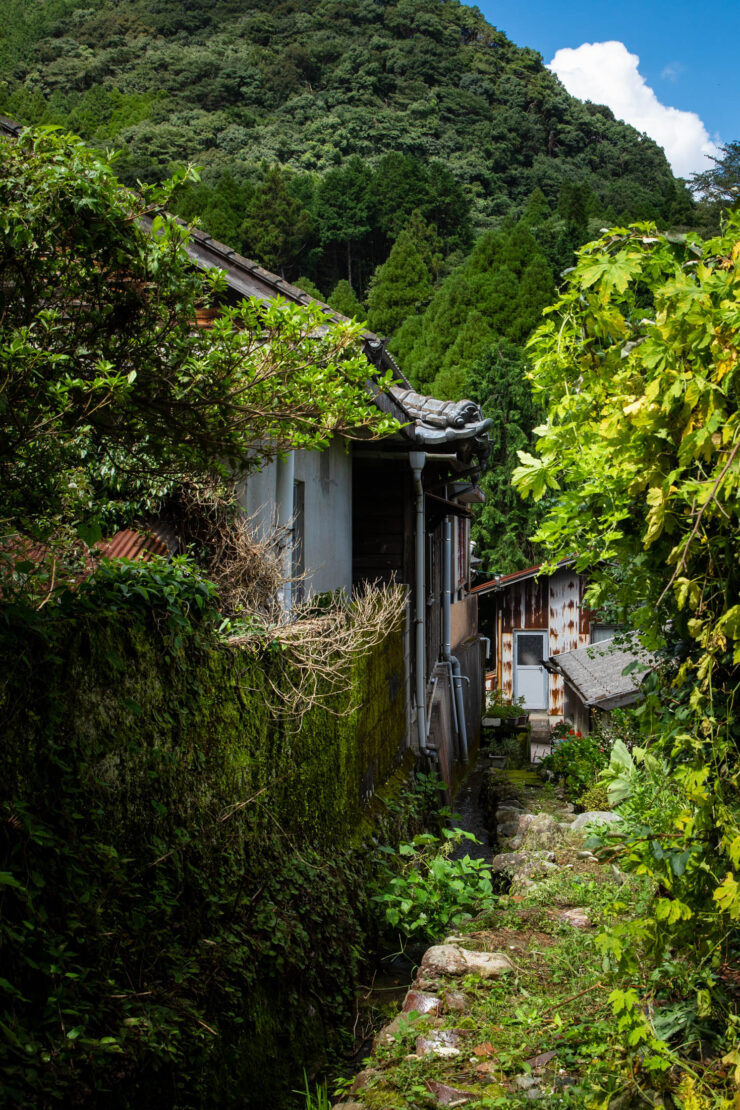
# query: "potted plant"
{"type": "Point", "coordinates": [504, 711]}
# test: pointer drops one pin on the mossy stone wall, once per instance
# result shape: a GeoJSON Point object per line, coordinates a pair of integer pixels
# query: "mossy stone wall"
{"type": "Point", "coordinates": [188, 886]}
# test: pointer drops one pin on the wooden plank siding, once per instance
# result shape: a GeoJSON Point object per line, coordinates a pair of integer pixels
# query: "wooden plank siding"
{"type": "Point", "coordinates": [380, 525]}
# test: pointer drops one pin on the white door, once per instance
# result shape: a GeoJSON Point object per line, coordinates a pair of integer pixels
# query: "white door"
{"type": "Point", "coordinates": [530, 677]}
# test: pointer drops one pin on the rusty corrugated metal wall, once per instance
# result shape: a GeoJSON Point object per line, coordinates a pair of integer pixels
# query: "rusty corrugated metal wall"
{"type": "Point", "coordinates": [564, 607]}
{"type": "Point", "coordinates": [537, 604]}
{"type": "Point", "coordinates": [523, 605]}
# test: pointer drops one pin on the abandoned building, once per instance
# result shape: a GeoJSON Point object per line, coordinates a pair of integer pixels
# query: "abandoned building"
{"type": "Point", "coordinates": [543, 650]}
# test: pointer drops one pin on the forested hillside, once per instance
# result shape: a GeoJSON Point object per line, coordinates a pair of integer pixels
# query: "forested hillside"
{"type": "Point", "coordinates": [401, 158]}
{"type": "Point", "coordinates": [309, 84]}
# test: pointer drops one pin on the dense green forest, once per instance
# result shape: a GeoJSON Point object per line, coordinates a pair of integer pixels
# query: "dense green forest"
{"type": "Point", "coordinates": [401, 159]}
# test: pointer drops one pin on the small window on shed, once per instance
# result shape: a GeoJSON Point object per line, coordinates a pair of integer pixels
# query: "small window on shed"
{"type": "Point", "coordinates": [601, 632]}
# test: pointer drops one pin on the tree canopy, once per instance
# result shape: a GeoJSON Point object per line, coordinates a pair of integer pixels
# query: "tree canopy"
{"type": "Point", "coordinates": [504, 524]}
{"type": "Point", "coordinates": [108, 385]}
{"type": "Point", "coordinates": [719, 187]}
{"type": "Point", "coordinates": [497, 293]}
{"type": "Point", "coordinates": [639, 366]}
{"type": "Point", "coordinates": [364, 112]}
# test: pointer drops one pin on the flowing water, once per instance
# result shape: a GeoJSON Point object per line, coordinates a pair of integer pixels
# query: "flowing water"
{"type": "Point", "coordinates": [470, 814]}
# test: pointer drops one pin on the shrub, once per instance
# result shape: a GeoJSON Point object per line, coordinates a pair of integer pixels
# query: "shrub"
{"type": "Point", "coordinates": [425, 891]}
{"type": "Point", "coordinates": [577, 759]}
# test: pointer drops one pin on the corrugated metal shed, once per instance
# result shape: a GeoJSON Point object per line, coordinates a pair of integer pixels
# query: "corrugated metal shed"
{"type": "Point", "coordinates": [132, 543]}
{"type": "Point", "coordinates": [501, 581]}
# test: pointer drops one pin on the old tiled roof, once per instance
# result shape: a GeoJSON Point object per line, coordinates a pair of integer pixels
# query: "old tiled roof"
{"type": "Point", "coordinates": [445, 426]}
{"type": "Point", "coordinates": [455, 428]}
{"type": "Point", "coordinates": [596, 673]}
{"type": "Point", "coordinates": [9, 127]}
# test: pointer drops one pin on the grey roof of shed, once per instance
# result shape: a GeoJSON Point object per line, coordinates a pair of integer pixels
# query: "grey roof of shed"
{"type": "Point", "coordinates": [596, 672]}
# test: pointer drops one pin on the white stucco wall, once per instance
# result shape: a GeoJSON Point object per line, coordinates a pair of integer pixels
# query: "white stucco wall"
{"type": "Point", "coordinates": [327, 478]}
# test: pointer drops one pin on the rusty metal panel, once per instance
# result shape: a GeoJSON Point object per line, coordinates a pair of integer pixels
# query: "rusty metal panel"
{"type": "Point", "coordinates": [585, 616]}
{"type": "Point", "coordinates": [507, 664]}
{"type": "Point", "coordinates": [507, 611]}
{"type": "Point", "coordinates": [564, 597]}
{"type": "Point", "coordinates": [536, 603]}
{"type": "Point", "coordinates": [132, 544]}
{"type": "Point", "coordinates": [557, 694]}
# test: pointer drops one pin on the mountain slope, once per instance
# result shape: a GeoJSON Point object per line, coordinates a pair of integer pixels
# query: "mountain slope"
{"type": "Point", "coordinates": [307, 83]}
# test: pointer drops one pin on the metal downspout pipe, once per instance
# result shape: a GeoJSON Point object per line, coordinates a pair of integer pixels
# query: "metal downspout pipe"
{"type": "Point", "coordinates": [447, 621]}
{"type": "Point", "coordinates": [456, 677]}
{"type": "Point", "coordinates": [417, 460]}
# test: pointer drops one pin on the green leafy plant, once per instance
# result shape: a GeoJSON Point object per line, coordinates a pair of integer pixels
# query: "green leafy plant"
{"type": "Point", "coordinates": [115, 392]}
{"type": "Point", "coordinates": [577, 760]}
{"type": "Point", "coordinates": [316, 1098]}
{"type": "Point", "coordinates": [639, 364]}
{"type": "Point", "coordinates": [595, 798]}
{"type": "Point", "coordinates": [425, 890]}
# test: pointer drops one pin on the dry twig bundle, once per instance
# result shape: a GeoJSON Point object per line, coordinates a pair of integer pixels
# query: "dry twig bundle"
{"type": "Point", "coordinates": [320, 646]}
{"type": "Point", "coordinates": [246, 568]}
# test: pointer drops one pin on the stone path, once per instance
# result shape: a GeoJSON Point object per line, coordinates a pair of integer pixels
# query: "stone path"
{"type": "Point", "coordinates": [439, 1049]}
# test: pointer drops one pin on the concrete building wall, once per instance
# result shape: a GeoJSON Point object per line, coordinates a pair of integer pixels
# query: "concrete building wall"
{"type": "Point", "coordinates": [327, 513]}
{"type": "Point", "coordinates": [328, 517]}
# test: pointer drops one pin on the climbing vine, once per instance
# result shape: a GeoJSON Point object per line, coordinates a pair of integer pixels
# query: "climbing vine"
{"type": "Point", "coordinates": [639, 363]}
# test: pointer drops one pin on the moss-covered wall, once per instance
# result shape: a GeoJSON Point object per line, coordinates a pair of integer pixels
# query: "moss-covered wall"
{"type": "Point", "coordinates": [197, 723]}
{"type": "Point", "coordinates": [187, 900]}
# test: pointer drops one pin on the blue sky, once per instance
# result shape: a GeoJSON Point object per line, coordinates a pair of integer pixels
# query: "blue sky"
{"type": "Point", "coordinates": [687, 57]}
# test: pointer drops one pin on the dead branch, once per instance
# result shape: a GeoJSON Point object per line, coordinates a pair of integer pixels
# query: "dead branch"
{"type": "Point", "coordinates": [247, 567]}
{"type": "Point", "coordinates": [320, 648]}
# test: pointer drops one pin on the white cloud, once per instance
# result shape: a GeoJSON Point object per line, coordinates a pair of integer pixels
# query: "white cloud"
{"type": "Point", "coordinates": [672, 72]}
{"type": "Point", "coordinates": [606, 73]}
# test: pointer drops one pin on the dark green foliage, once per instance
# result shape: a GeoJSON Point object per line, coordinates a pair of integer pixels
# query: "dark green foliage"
{"type": "Point", "coordinates": [577, 760]}
{"type": "Point", "coordinates": [498, 293]}
{"type": "Point", "coordinates": [403, 285]}
{"type": "Point", "coordinates": [181, 912]}
{"type": "Point", "coordinates": [438, 107]}
{"type": "Point", "coordinates": [108, 392]}
{"type": "Point", "coordinates": [344, 202]}
{"type": "Point", "coordinates": [504, 525]}
{"type": "Point", "coordinates": [276, 227]}
{"type": "Point", "coordinates": [344, 299]}
{"type": "Point", "coordinates": [308, 286]}
{"type": "Point", "coordinates": [221, 208]}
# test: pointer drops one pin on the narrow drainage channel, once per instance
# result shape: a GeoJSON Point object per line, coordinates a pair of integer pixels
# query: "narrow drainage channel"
{"type": "Point", "coordinates": [470, 813]}
{"type": "Point", "coordinates": [380, 999]}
